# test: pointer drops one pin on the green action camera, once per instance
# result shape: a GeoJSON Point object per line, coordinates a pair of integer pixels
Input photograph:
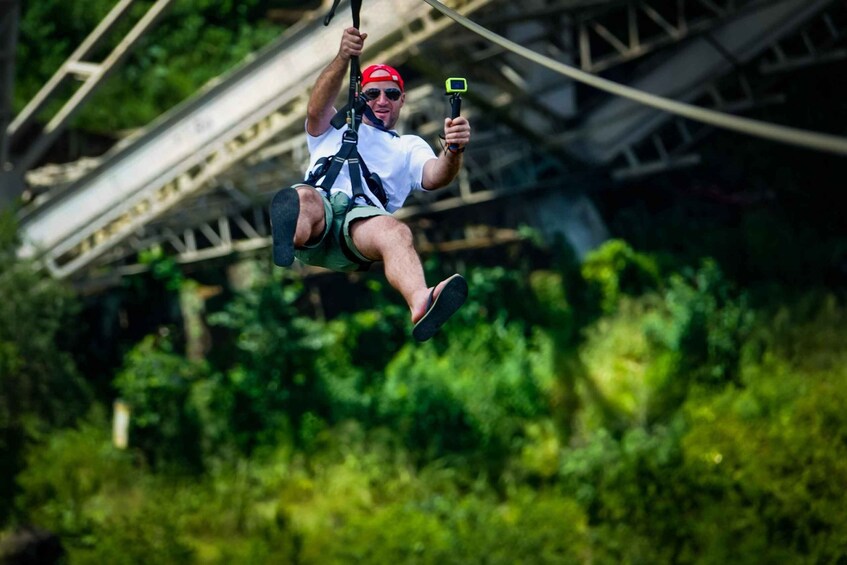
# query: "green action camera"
{"type": "Point", "coordinates": [456, 85]}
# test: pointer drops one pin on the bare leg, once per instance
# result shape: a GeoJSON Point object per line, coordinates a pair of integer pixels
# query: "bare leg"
{"type": "Point", "coordinates": [312, 221]}
{"type": "Point", "coordinates": [386, 239]}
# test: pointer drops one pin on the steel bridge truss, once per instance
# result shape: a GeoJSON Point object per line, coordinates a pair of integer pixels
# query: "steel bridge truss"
{"type": "Point", "coordinates": [528, 131]}
{"type": "Point", "coordinates": [821, 40]}
{"type": "Point", "coordinates": [196, 174]}
{"type": "Point", "coordinates": [622, 31]}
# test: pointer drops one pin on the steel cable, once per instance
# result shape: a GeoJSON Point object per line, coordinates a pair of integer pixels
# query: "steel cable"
{"type": "Point", "coordinates": [784, 134]}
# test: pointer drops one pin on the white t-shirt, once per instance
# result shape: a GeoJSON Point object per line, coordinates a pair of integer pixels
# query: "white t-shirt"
{"type": "Point", "coordinates": [399, 161]}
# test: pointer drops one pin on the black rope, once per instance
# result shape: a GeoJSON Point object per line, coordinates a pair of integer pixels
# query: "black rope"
{"type": "Point", "coordinates": [355, 71]}
{"type": "Point", "coordinates": [351, 114]}
{"type": "Point", "coordinates": [352, 111]}
{"type": "Point", "coordinates": [356, 5]}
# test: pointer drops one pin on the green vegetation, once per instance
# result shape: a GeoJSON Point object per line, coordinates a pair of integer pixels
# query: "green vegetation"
{"type": "Point", "coordinates": [675, 398]}
{"type": "Point", "coordinates": [40, 387]}
{"type": "Point", "coordinates": [608, 413]}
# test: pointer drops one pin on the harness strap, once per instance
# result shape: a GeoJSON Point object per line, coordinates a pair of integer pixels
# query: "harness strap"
{"type": "Point", "coordinates": [328, 168]}
{"type": "Point", "coordinates": [351, 114]}
{"type": "Point", "coordinates": [360, 105]}
{"type": "Point", "coordinates": [349, 154]}
{"type": "Point", "coordinates": [336, 162]}
{"type": "Point", "coordinates": [355, 6]}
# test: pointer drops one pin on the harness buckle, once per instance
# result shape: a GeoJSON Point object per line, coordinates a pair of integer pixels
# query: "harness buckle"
{"type": "Point", "coordinates": [350, 136]}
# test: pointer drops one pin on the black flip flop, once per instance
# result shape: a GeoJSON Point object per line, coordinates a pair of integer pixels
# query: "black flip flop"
{"type": "Point", "coordinates": [441, 307]}
{"type": "Point", "coordinates": [285, 209]}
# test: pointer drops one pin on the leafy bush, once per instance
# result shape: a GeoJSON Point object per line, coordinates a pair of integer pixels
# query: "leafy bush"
{"type": "Point", "coordinates": [748, 471]}
{"type": "Point", "coordinates": [551, 307]}
{"type": "Point", "coordinates": [360, 500]}
{"type": "Point", "coordinates": [770, 457]}
{"type": "Point", "coordinates": [38, 376]}
{"type": "Point", "coordinates": [617, 359]}
{"type": "Point", "coordinates": [146, 536]}
{"type": "Point", "coordinates": [474, 395]}
{"type": "Point", "coordinates": [634, 493]}
{"type": "Point", "coordinates": [698, 333]}
{"type": "Point", "coordinates": [40, 386]}
{"type": "Point", "coordinates": [615, 269]}
{"type": "Point", "coordinates": [359, 345]}
{"type": "Point", "coordinates": [74, 478]}
{"type": "Point", "coordinates": [156, 383]}
{"type": "Point", "coordinates": [271, 383]}
{"type": "Point", "coordinates": [527, 527]}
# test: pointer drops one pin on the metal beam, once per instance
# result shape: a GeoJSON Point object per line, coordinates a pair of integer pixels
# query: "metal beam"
{"type": "Point", "coordinates": [181, 154]}
{"type": "Point", "coordinates": [624, 31]}
{"type": "Point", "coordinates": [207, 196]}
{"type": "Point", "coordinates": [619, 123]}
{"type": "Point", "coordinates": [670, 146]}
{"type": "Point", "coordinates": [751, 86]}
{"type": "Point", "coordinates": [819, 42]}
{"type": "Point", "coordinates": [494, 170]}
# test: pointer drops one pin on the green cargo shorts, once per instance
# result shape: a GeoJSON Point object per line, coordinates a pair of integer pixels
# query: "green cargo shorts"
{"type": "Point", "coordinates": [329, 250]}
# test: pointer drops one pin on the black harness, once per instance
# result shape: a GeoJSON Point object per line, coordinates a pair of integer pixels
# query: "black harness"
{"type": "Point", "coordinates": [327, 168]}
{"type": "Point", "coordinates": [324, 174]}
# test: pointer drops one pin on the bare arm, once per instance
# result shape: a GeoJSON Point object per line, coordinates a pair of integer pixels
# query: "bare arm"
{"type": "Point", "coordinates": [441, 171]}
{"type": "Point", "coordinates": [328, 84]}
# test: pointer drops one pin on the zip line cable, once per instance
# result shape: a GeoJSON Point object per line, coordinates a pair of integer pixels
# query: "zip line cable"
{"type": "Point", "coordinates": [784, 134]}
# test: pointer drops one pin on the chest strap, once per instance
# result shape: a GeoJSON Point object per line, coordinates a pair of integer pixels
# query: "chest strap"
{"type": "Point", "coordinates": [328, 168]}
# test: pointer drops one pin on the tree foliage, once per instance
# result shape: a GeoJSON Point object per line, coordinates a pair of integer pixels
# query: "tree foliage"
{"type": "Point", "coordinates": [39, 384]}
{"type": "Point", "coordinates": [678, 425]}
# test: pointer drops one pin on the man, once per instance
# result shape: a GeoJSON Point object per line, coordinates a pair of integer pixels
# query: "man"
{"type": "Point", "coordinates": [330, 231]}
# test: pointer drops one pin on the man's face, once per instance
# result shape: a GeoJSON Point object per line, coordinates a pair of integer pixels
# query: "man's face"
{"type": "Point", "coordinates": [385, 109]}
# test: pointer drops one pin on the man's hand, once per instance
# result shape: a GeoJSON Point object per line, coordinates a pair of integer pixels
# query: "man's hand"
{"type": "Point", "coordinates": [457, 132]}
{"type": "Point", "coordinates": [441, 171]}
{"type": "Point", "coordinates": [352, 43]}
{"type": "Point", "coordinates": [320, 111]}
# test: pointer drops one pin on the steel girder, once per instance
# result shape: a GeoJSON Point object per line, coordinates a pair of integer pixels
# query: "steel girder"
{"type": "Point", "coordinates": [180, 156]}
{"type": "Point", "coordinates": [223, 210]}
{"type": "Point", "coordinates": [754, 84]}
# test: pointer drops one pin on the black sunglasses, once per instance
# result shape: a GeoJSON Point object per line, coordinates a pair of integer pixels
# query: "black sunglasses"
{"type": "Point", "coordinates": [392, 94]}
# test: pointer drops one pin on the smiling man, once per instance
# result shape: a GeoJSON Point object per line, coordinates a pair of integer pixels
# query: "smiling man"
{"type": "Point", "coordinates": [345, 223]}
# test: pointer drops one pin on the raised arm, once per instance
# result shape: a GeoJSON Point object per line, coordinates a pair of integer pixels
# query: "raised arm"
{"type": "Point", "coordinates": [440, 172]}
{"type": "Point", "coordinates": [320, 110]}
